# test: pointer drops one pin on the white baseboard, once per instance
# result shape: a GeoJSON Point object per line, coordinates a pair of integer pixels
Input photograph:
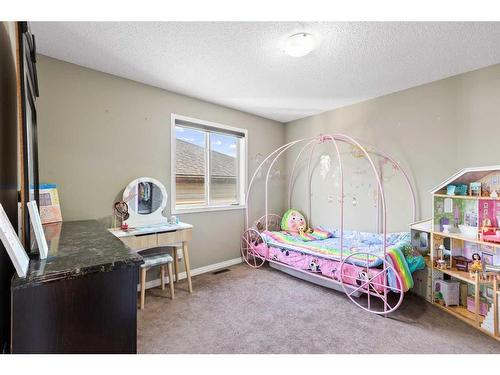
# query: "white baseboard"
{"type": "Point", "coordinates": [197, 271]}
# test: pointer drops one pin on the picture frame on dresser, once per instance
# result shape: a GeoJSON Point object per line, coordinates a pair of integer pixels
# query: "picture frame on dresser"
{"type": "Point", "coordinates": [28, 83]}
{"type": "Point", "coordinates": [11, 242]}
{"type": "Point", "coordinates": [36, 223]}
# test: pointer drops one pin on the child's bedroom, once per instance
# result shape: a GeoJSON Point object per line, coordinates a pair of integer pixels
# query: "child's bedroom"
{"type": "Point", "coordinates": [249, 185]}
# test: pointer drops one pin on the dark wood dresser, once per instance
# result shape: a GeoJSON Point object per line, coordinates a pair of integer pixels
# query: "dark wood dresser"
{"type": "Point", "coordinates": [81, 299]}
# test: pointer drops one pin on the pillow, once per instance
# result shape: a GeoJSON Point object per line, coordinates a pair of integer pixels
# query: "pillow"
{"type": "Point", "coordinates": [394, 238]}
{"type": "Point", "coordinates": [373, 238]}
{"type": "Point", "coordinates": [293, 221]}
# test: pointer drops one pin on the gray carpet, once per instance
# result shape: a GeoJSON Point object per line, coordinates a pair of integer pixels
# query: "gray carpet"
{"type": "Point", "coordinates": [266, 311]}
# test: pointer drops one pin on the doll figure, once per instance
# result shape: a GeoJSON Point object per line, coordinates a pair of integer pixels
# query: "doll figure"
{"type": "Point", "coordinates": [476, 265]}
{"type": "Point", "coordinates": [293, 221]}
{"type": "Point", "coordinates": [486, 222]}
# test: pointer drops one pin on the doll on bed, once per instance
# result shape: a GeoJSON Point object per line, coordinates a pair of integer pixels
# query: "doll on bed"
{"type": "Point", "coordinates": [295, 224]}
{"type": "Point", "coordinates": [293, 221]}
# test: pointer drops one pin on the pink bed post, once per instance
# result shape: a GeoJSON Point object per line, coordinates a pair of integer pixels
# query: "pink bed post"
{"type": "Point", "coordinates": [341, 172]}
{"type": "Point", "coordinates": [377, 203]}
{"type": "Point", "coordinates": [292, 173]}
{"type": "Point", "coordinates": [408, 184]}
{"type": "Point", "coordinates": [252, 237]}
{"type": "Point", "coordinates": [309, 178]}
{"type": "Point", "coordinates": [250, 184]}
{"type": "Point", "coordinates": [384, 218]}
{"type": "Point", "coordinates": [314, 142]}
{"type": "Point", "coordinates": [269, 172]}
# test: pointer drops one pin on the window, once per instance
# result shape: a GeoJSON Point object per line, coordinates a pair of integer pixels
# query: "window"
{"type": "Point", "coordinates": [208, 165]}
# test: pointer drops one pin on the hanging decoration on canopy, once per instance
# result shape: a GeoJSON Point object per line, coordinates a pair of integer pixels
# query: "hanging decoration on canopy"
{"type": "Point", "coordinates": [275, 172]}
{"type": "Point", "coordinates": [325, 164]}
{"type": "Point", "coordinates": [257, 160]}
{"type": "Point", "coordinates": [388, 169]}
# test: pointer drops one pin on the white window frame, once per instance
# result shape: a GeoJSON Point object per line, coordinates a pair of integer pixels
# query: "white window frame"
{"type": "Point", "coordinates": [243, 166]}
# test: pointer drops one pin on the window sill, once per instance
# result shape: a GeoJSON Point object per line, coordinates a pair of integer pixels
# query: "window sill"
{"type": "Point", "coordinates": [192, 210]}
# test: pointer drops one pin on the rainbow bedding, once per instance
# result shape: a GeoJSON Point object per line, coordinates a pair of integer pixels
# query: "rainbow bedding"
{"type": "Point", "coordinates": [323, 255]}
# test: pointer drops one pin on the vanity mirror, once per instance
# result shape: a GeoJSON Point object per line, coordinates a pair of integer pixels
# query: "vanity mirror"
{"type": "Point", "coordinates": [146, 199]}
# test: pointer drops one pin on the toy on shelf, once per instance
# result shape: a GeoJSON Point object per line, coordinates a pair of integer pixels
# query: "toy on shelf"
{"type": "Point", "coordinates": [493, 268]}
{"type": "Point", "coordinates": [468, 231]}
{"type": "Point", "coordinates": [447, 292]}
{"type": "Point", "coordinates": [489, 215]}
{"type": "Point", "coordinates": [487, 229]}
{"type": "Point", "coordinates": [476, 266]}
{"type": "Point", "coordinates": [471, 306]}
{"type": "Point", "coordinates": [487, 222]}
{"type": "Point", "coordinates": [491, 237]}
{"type": "Point", "coordinates": [460, 189]}
{"type": "Point", "coordinates": [462, 263]}
{"type": "Point", "coordinates": [441, 263]}
{"type": "Point", "coordinates": [444, 223]}
{"type": "Point", "coordinates": [475, 189]}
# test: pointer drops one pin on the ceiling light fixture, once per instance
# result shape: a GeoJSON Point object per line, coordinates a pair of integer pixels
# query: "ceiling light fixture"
{"type": "Point", "coordinates": [298, 45]}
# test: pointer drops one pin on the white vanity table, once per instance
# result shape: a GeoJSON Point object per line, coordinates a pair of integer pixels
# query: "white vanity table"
{"type": "Point", "coordinates": [160, 235]}
{"type": "Point", "coordinates": [144, 200]}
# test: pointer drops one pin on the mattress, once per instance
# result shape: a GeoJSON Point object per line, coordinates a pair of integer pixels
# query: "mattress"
{"type": "Point", "coordinates": [329, 248]}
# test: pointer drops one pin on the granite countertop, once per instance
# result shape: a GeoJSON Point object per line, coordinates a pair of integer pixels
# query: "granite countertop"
{"type": "Point", "coordinates": [77, 248]}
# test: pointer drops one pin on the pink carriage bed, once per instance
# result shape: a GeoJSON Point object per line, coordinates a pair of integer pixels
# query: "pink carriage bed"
{"type": "Point", "coordinates": [322, 256]}
{"type": "Point", "coordinates": [371, 279]}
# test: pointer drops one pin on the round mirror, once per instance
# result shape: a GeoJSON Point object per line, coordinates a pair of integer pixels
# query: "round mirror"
{"type": "Point", "coordinates": [146, 198]}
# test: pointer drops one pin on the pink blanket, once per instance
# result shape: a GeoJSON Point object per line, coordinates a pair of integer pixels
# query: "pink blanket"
{"type": "Point", "coordinates": [327, 267]}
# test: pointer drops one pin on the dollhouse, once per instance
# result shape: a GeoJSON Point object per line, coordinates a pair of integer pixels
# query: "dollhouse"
{"type": "Point", "coordinates": [465, 247]}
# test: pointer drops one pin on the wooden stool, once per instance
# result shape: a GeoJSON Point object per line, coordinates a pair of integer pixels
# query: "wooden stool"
{"type": "Point", "coordinates": [157, 257]}
{"type": "Point", "coordinates": [185, 253]}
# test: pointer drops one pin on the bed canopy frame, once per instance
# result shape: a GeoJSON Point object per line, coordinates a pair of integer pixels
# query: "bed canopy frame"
{"type": "Point", "coordinates": [252, 235]}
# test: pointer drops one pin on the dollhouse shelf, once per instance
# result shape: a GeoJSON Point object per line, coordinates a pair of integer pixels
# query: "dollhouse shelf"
{"type": "Point", "coordinates": [466, 316]}
{"type": "Point", "coordinates": [492, 238]}
{"type": "Point", "coordinates": [470, 211]}
{"type": "Point", "coordinates": [463, 276]}
{"type": "Point", "coordinates": [456, 196]}
{"type": "Point", "coordinates": [459, 236]}
{"type": "Point", "coordinates": [465, 197]}
{"type": "Point", "coordinates": [463, 314]}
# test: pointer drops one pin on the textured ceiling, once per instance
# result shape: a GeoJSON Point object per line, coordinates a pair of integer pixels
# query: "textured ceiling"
{"type": "Point", "coordinates": [241, 64]}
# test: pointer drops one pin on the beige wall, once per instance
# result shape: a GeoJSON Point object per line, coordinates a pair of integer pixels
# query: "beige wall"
{"type": "Point", "coordinates": [433, 130]}
{"type": "Point", "coordinates": [97, 132]}
{"type": "Point", "coordinates": [478, 108]}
